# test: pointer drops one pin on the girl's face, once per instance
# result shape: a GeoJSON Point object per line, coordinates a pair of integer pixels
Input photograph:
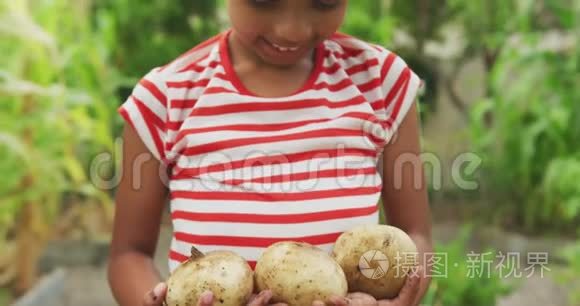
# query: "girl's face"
{"type": "Point", "coordinates": [282, 32]}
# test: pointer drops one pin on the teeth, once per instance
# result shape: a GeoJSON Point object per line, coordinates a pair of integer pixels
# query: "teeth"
{"type": "Point", "coordinates": [284, 49]}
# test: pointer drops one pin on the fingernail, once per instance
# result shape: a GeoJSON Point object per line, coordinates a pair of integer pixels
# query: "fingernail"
{"type": "Point", "coordinates": [158, 290]}
{"type": "Point", "coordinates": [268, 295]}
{"type": "Point", "coordinates": [207, 297]}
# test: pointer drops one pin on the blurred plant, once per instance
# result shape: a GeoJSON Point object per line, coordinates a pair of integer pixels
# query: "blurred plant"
{"type": "Point", "coordinates": [462, 284]}
{"type": "Point", "coordinates": [527, 133]}
{"type": "Point", "coordinates": [164, 29]}
{"type": "Point", "coordinates": [568, 275]}
{"type": "Point", "coordinates": [57, 111]}
{"type": "Point", "coordinates": [370, 20]}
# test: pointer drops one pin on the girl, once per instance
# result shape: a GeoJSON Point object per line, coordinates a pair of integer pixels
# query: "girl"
{"type": "Point", "coordinates": [269, 131]}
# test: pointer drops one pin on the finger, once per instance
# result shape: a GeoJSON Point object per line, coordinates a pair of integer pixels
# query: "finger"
{"type": "Point", "coordinates": [318, 303]}
{"type": "Point", "coordinates": [360, 296]}
{"type": "Point", "coordinates": [361, 299]}
{"type": "Point", "coordinates": [338, 300]}
{"type": "Point", "coordinates": [252, 298]}
{"type": "Point", "coordinates": [205, 299]}
{"type": "Point", "coordinates": [408, 293]}
{"type": "Point", "coordinates": [261, 299]}
{"type": "Point", "coordinates": [156, 296]}
{"type": "Point", "coordinates": [410, 290]}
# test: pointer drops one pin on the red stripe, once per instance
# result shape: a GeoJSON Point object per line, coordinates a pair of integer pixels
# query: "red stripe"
{"type": "Point", "coordinates": [148, 114]}
{"type": "Point", "coordinates": [195, 67]}
{"type": "Point", "coordinates": [123, 112]}
{"type": "Point", "coordinates": [188, 84]}
{"type": "Point", "coordinates": [353, 69]}
{"type": "Point", "coordinates": [152, 122]}
{"type": "Point", "coordinates": [152, 88]}
{"type": "Point", "coordinates": [222, 76]}
{"type": "Point", "coordinates": [229, 144]}
{"type": "Point", "coordinates": [177, 256]}
{"type": "Point", "coordinates": [275, 219]}
{"type": "Point", "coordinates": [183, 103]}
{"type": "Point", "coordinates": [218, 90]}
{"type": "Point", "coordinates": [370, 85]}
{"type": "Point", "coordinates": [174, 125]}
{"type": "Point", "coordinates": [267, 127]}
{"type": "Point", "coordinates": [363, 67]}
{"type": "Point", "coordinates": [400, 101]}
{"type": "Point", "coordinates": [332, 69]}
{"type": "Point", "coordinates": [343, 55]}
{"type": "Point", "coordinates": [258, 242]}
{"type": "Point", "coordinates": [252, 264]}
{"type": "Point", "coordinates": [334, 87]}
{"type": "Point", "coordinates": [187, 173]}
{"type": "Point", "coordinates": [387, 65]}
{"type": "Point", "coordinates": [292, 177]}
{"type": "Point", "coordinates": [274, 106]}
{"type": "Point", "coordinates": [379, 104]}
{"type": "Point", "coordinates": [403, 78]}
{"type": "Point", "coordinates": [274, 196]}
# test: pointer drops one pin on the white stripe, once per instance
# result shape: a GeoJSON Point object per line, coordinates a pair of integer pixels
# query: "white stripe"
{"type": "Point", "coordinates": [150, 101]}
{"type": "Point", "coordinates": [283, 167]}
{"type": "Point", "coordinates": [278, 208]}
{"type": "Point", "coordinates": [185, 61]}
{"type": "Point", "coordinates": [233, 229]}
{"type": "Point", "coordinates": [212, 182]}
{"type": "Point", "coordinates": [393, 75]}
{"type": "Point", "coordinates": [358, 78]}
{"type": "Point", "coordinates": [217, 99]}
{"type": "Point", "coordinates": [219, 135]}
{"type": "Point", "coordinates": [195, 93]}
{"type": "Point", "coordinates": [191, 75]}
{"type": "Point", "coordinates": [408, 100]}
{"type": "Point", "coordinates": [141, 127]}
{"type": "Point", "coordinates": [219, 82]}
{"type": "Point", "coordinates": [273, 117]}
{"type": "Point", "coordinates": [278, 148]}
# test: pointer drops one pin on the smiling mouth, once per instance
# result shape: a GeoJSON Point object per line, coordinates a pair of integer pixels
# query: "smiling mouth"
{"type": "Point", "coordinates": [281, 48]}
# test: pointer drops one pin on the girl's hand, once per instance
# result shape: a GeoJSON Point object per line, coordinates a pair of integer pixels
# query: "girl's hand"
{"type": "Point", "coordinates": [156, 297]}
{"type": "Point", "coordinates": [406, 297]}
{"type": "Point", "coordinates": [409, 293]}
{"type": "Point", "coordinates": [336, 300]}
{"type": "Point", "coordinates": [263, 299]}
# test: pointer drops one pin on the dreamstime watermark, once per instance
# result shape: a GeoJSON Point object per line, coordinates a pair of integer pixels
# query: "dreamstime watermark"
{"type": "Point", "coordinates": [374, 264]}
{"type": "Point", "coordinates": [276, 171]}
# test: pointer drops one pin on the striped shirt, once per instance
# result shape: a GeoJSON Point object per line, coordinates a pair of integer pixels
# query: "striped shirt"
{"type": "Point", "coordinates": [248, 171]}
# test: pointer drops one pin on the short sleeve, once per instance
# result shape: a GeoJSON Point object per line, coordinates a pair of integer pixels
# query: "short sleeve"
{"type": "Point", "coordinates": [146, 111]}
{"type": "Point", "coordinates": [400, 87]}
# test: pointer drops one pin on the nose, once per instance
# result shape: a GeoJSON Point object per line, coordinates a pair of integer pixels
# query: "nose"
{"type": "Point", "coordinates": [292, 30]}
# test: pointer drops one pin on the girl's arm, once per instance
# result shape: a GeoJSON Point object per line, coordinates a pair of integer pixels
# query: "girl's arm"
{"type": "Point", "coordinates": [140, 200]}
{"type": "Point", "coordinates": [406, 206]}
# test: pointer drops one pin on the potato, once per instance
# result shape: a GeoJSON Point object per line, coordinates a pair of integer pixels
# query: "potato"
{"type": "Point", "coordinates": [375, 259]}
{"type": "Point", "coordinates": [299, 273]}
{"type": "Point", "coordinates": [225, 273]}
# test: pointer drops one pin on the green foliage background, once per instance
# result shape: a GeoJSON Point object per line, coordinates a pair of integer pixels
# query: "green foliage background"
{"type": "Point", "coordinates": [67, 65]}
